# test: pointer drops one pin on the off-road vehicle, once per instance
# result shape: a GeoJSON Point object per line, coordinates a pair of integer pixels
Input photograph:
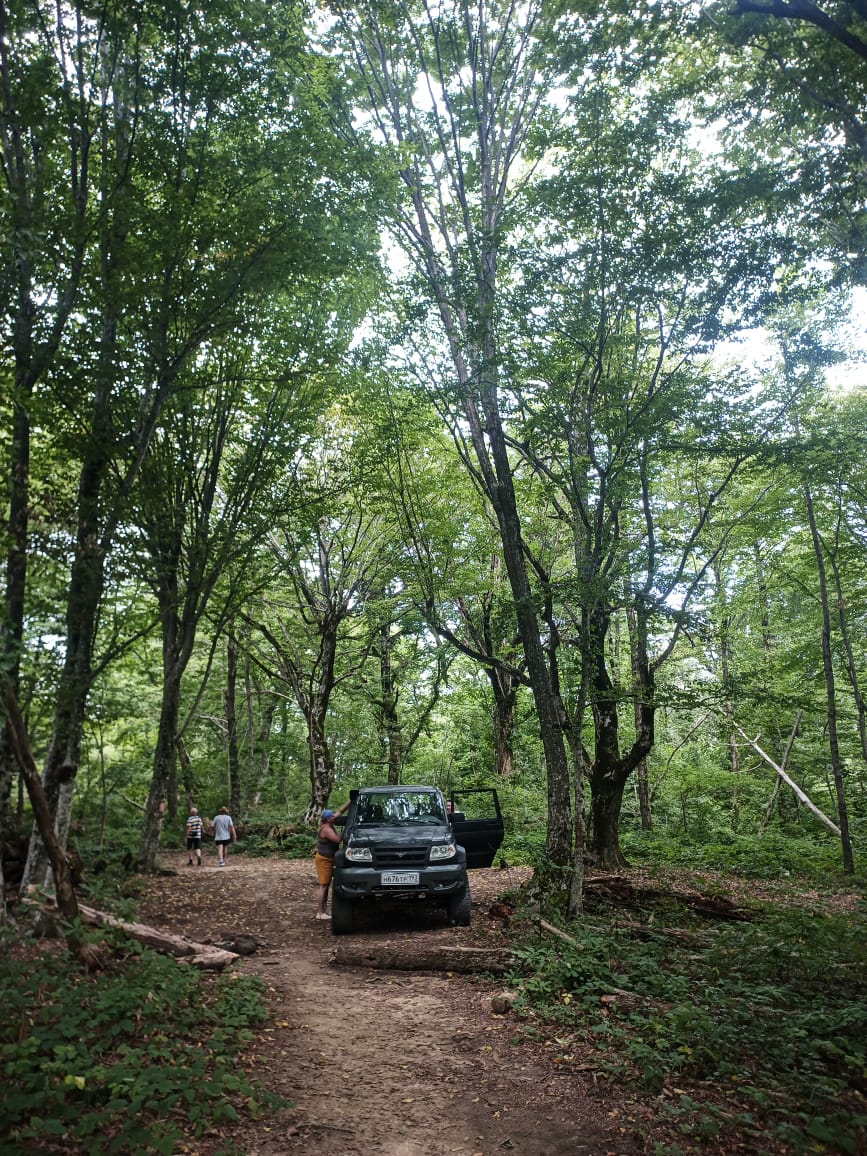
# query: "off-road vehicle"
{"type": "Point", "coordinates": [404, 842]}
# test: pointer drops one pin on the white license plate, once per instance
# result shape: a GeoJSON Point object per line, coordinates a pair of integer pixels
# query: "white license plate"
{"type": "Point", "coordinates": [400, 879]}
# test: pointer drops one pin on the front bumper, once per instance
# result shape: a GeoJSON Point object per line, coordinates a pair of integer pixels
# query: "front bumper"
{"type": "Point", "coordinates": [360, 882]}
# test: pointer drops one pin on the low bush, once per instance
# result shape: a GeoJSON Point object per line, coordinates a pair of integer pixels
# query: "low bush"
{"type": "Point", "coordinates": [129, 1059]}
{"type": "Point", "coordinates": [764, 1022]}
{"type": "Point", "coordinates": [772, 855]}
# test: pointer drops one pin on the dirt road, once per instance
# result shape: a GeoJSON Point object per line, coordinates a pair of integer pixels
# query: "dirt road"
{"type": "Point", "coordinates": [385, 1063]}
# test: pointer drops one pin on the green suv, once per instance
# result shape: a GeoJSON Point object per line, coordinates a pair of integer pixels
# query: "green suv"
{"type": "Point", "coordinates": [406, 842]}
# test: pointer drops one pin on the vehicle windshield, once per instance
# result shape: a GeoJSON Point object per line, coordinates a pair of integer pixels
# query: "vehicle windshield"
{"type": "Point", "coordinates": [401, 807]}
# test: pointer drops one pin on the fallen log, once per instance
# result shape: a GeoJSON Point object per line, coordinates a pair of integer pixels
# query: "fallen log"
{"type": "Point", "coordinates": [202, 955]}
{"type": "Point", "coordinates": [647, 931]}
{"type": "Point", "coordinates": [631, 892]}
{"type": "Point", "coordinates": [460, 959]}
{"type": "Point", "coordinates": [560, 934]}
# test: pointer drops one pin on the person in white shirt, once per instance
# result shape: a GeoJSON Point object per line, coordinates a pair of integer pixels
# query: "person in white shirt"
{"type": "Point", "coordinates": [224, 834]}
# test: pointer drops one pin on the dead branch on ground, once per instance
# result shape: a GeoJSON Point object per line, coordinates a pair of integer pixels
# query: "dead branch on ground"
{"type": "Point", "coordinates": [202, 955]}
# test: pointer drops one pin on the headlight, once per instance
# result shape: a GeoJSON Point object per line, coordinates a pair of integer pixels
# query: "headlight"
{"type": "Point", "coordinates": [359, 854]}
{"type": "Point", "coordinates": [442, 851]}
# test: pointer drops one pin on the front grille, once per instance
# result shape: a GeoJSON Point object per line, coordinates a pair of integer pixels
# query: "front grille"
{"type": "Point", "coordinates": [399, 858]}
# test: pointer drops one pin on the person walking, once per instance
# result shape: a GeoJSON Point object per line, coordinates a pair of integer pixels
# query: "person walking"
{"type": "Point", "coordinates": [194, 837]}
{"type": "Point", "coordinates": [326, 848]}
{"type": "Point", "coordinates": [224, 834]}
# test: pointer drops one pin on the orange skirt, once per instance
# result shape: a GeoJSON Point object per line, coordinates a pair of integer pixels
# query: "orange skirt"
{"type": "Point", "coordinates": [324, 869]}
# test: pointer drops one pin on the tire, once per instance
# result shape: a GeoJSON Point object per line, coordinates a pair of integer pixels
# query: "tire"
{"type": "Point", "coordinates": [343, 915]}
{"type": "Point", "coordinates": [458, 907]}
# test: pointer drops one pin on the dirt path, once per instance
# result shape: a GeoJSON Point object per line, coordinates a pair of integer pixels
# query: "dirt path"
{"type": "Point", "coordinates": [384, 1063]}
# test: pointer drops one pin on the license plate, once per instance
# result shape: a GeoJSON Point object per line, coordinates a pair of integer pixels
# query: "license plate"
{"type": "Point", "coordinates": [400, 879]}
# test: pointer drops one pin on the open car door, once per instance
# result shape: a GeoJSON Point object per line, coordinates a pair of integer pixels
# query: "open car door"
{"type": "Point", "coordinates": [478, 824]}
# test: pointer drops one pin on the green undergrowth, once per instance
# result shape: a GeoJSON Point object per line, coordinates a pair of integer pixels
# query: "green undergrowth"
{"type": "Point", "coordinates": [756, 1029]}
{"type": "Point", "coordinates": [284, 840]}
{"type": "Point", "coordinates": [771, 855]}
{"type": "Point", "coordinates": [128, 1059]}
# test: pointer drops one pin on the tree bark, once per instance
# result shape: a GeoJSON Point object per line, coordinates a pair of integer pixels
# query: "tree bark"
{"type": "Point", "coordinates": [610, 770]}
{"type": "Point", "coordinates": [406, 958]}
{"type": "Point", "coordinates": [65, 893]}
{"type": "Point", "coordinates": [262, 770]}
{"type": "Point", "coordinates": [163, 764]}
{"type": "Point", "coordinates": [234, 754]}
{"type": "Point", "coordinates": [606, 801]}
{"type": "Point", "coordinates": [504, 729]}
{"type": "Point", "coordinates": [644, 807]}
{"type": "Point", "coordinates": [830, 686]}
{"type": "Point", "coordinates": [802, 795]}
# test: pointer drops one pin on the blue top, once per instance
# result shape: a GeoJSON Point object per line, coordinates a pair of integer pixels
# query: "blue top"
{"type": "Point", "coordinates": [223, 828]}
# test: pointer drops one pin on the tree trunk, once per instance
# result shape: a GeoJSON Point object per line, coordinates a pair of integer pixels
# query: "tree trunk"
{"type": "Point", "coordinates": [830, 687]}
{"type": "Point", "coordinates": [606, 800]}
{"type": "Point", "coordinates": [95, 526]}
{"type": "Point", "coordinates": [263, 769]}
{"type": "Point", "coordinates": [610, 770]}
{"type": "Point", "coordinates": [36, 328]}
{"type": "Point", "coordinates": [321, 761]}
{"type": "Point", "coordinates": [494, 121]}
{"type": "Point", "coordinates": [549, 708]}
{"type": "Point", "coordinates": [163, 765]}
{"type": "Point", "coordinates": [66, 900]}
{"type": "Point", "coordinates": [16, 573]}
{"type": "Point", "coordinates": [575, 901]}
{"type": "Point", "coordinates": [234, 754]}
{"type": "Point", "coordinates": [504, 722]}
{"type": "Point", "coordinates": [641, 771]}
{"type": "Point", "coordinates": [178, 638]}
{"type": "Point", "coordinates": [606, 772]}
{"type": "Point", "coordinates": [389, 722]}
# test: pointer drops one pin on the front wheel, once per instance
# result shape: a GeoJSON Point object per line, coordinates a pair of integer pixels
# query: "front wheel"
{"type": "Point", "coordinates": [458, 907]}
{"type": "Point", "coordinates": [342, 915]}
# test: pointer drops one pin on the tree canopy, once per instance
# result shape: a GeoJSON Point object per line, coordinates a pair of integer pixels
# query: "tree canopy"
{"type": "Point", "coordinates": [436, 392]}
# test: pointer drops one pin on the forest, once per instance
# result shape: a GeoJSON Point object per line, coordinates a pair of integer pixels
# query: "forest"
{"type": "Point", "coordinates": [442, 393]}
{"type": "Point", "coordinates": [426, 391]}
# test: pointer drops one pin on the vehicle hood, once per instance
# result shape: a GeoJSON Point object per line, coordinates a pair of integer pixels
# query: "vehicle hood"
{"type": "Point", "coordinates": [411, 835]}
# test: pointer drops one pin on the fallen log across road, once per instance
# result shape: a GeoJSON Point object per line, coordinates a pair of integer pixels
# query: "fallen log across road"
{"type": "Point", "coordinates": [427, 958]}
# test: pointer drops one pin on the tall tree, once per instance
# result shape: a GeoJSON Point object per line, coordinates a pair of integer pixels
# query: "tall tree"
{"type": "Point", "coordinates": [617, 407]}
{"type": "Point", "coordinates": [46, 128]}
{"type": "Point", "coordinates": [317, 634]}
{"type": "Point", "coordinates": [206, 198]}
{"type": "Point", "coordinates": [458, 576]}
{"type": "Point", "coordinates": [454, 91]}
{"type": "Point", "coordinates": [201, 509]}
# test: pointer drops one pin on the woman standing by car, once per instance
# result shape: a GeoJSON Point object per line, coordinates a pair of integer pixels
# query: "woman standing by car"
{"type": "Point", "coordinates": [327, 843]}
